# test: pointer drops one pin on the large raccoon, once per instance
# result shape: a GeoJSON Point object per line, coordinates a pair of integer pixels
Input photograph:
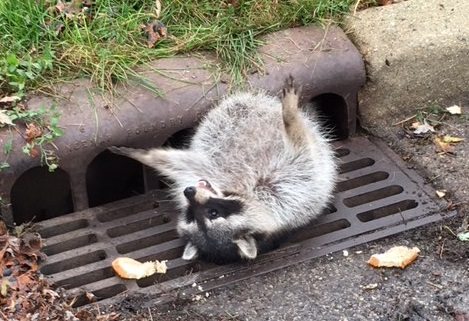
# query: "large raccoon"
{"type": "Point", "coordinates": [256, 169]}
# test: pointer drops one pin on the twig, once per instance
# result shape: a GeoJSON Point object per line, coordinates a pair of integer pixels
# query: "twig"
{"type": "Point", "coordinates": [405, 120]}
{"type": "Point", "coordinates": [436, 285]}
{"type": "Point", "coordinates": [442, 248]}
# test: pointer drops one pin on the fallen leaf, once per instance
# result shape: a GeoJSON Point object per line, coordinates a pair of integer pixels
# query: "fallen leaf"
{"type": "Point", "coordinates": [463, 236]}
{"type": "Point", "coordinates": [441, 193]}
{"type": "Point", "coordinates": [415, 125]}
{"type": "Point", "coordinates": [451, 139]}
{"type": "Point", "coordinates": [32, 131]}
{"type": "Point", "coordinates": [154, 30]}
{"type": "Point", "coordinates": [370, 286]}
{"type": "Point", "coordinates": [4, 118]}
{"type": "Point", "coordinates": [424, 128]}
{"type": "Point", "coordinates": [442, 146]}
{"type": "Point", "coordinates": [454, 110]}
{"type": "Point", "coordinates": [157, 8]}
{"type": "Point", "coordinates": [9, 99]}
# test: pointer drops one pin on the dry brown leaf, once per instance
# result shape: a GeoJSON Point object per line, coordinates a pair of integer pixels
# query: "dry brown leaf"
{"type": "Point", "coordinates": [32, 131]}
{"type": "Point", "coordinates": [158, 8]}
{"type": "Point", "coordinates": [9, 99]}
{"type": "Point", "coordinates": [154, 30]}
{"type": "Point", "coordinates": [443, 147]}
{"type": "Point", "coordinates": [385, 2]}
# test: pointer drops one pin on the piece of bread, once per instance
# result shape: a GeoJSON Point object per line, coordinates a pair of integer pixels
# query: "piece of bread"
{"type": "Point", "coordinates": [398, 256]}
{"type": "Point", "coordinates": [128, 268]}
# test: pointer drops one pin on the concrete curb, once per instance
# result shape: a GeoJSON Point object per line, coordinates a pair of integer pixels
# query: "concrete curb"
{"type": "Point", "coordinates": [416, 54]}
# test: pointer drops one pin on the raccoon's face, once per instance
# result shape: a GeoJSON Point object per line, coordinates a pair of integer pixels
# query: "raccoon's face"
{"type": "Point", "coordinates": [213, 226]}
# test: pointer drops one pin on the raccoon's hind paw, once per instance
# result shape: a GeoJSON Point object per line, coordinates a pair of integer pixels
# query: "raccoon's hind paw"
{"type": "Point", "coordinates": [290, 99]}
{"type": "Point", "coordinates": [290, 90]}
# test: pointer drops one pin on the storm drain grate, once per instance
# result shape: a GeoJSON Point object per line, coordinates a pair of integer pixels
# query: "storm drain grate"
{"type": "Point", "coordinates": [376, 197]}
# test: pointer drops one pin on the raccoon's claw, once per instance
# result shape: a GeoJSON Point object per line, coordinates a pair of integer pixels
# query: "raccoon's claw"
{"type": "Point", "coordinates": [290, 87]}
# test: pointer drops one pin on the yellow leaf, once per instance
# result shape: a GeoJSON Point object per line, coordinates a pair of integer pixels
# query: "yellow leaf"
{"type": "Point", "coordinates": [451, 139]}
{"type": "Point", "coordinates": [442, 146]}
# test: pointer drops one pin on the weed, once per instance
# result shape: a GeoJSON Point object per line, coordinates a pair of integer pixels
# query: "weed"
{"type": "Point", "coordinates": [40, 130]}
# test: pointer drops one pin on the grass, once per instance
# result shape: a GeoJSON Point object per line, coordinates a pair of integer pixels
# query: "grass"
{"type": "Point", "coordinates": [103, 40]}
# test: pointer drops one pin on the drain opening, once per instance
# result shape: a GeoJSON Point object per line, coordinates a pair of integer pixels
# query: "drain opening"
{"type": "Point", "coordinates": [170, 254]}
{"type": "Point", "coordinates": [361, 181]}
{"type": "Point", "coordinates": [373, 195]}
{"type": "Point", "coordinates": [341, 152]}
{"type": "Point", "coordinates": [31, 201]}
{"type": "Point", "coordinates": [63, 228]}
{"type": "Point", "coordinates": [355, 165]}
{"type": "Point", "coordinates": [138, 226]}
{"type": "Point", "coordinates": [74, 262]}
{"type": "Point", "coordinates": [71, 244]}
{"type": "Point", "coordinates": [86, 278]}
{"type": "Point", "coordinates": [126, 211]}
{"type": "Point", "coordinates": [104, 293]}
{"type": "Point", "coordinates": [387, 210]}
{"type": "Point", "coordinates": [147, 242]}
{"type": "Point", "coordinates": [111, 177]}
{"type": "Point", "coordinates": [170, 274]}
{"type": "Point", "coordinates": [332, 110]}
{"type": "Point", "coordinates": [315, 230]}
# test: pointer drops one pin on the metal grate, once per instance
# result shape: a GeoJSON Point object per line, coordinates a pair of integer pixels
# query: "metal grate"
{"type": "Point", "coordinates": [377, 196]}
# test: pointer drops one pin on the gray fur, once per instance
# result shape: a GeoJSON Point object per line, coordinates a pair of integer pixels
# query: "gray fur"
{"type": "Point", "coordinates": [264, 152]}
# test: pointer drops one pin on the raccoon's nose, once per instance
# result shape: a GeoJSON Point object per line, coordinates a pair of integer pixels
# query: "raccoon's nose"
{"type": "Point", "coordinates": [189, 192]}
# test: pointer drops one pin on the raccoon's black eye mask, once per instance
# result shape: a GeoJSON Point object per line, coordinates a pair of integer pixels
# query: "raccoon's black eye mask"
{"type": "Point", "coordinates": [212, 209]}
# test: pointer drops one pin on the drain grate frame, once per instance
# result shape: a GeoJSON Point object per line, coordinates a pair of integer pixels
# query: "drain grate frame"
{"type": "Point", "coordinates": [377, 196]}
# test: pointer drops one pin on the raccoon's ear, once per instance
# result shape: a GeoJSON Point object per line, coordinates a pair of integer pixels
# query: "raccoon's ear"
{"type": "Point", "coordinates": [247, 247]}
{"type": "Point", "coordinates": [190, 252]}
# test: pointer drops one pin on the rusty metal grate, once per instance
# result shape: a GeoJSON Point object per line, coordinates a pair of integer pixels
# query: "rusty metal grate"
{"type": "Point", "coordinates": [377, 196]}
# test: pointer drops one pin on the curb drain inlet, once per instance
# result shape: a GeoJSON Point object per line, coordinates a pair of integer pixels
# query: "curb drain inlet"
{"type": "Point", "coordinates": [376, 197]}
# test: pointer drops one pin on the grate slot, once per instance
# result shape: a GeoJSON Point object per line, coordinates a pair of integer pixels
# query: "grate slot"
{"type": "Point", "coordinates": [70, 244]}
{"type": "Point", "coordinates": [318, 230]}
{"type": "Point", "coordinates": [356, 165]}
{"type": "Point", "coordinates": [171, 274]}
{"type": "Point", "coordinates": [86, 278]}
{"type": "Point", "coordinates": [126, 211]}
{"type": "Point", "coordinates": [373, 195]}
{"type": "Point", "coordinates": [105, 293]}
{"type": "Point", "coordinates": [63, 228]}
{"type": "Point", "coordinates": [73, 262]}
{"type": "Point", "coordinates": [170, 254]}
{"type": "Point", "coordinates": [361, 181]}
{"type": "Point", "coordinates": [341, 152]}
{"type": "Point", "coordinates": [138, 226]}
{"type": "Point", "coordinates": [147, 242]}
{"type": "Point", "coordinates": [387, 210]}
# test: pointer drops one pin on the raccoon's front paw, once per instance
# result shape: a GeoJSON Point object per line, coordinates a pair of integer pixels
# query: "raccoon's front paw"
{"type": "Point", "coordinates": [290, 97]}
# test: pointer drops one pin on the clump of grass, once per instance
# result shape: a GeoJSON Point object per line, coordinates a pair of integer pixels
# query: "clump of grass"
{"type": "Point", "coordinates": [102, 39]}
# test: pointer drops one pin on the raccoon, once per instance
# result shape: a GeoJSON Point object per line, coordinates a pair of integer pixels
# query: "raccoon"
{"type": "Point", "coordinates": [256, 169]}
